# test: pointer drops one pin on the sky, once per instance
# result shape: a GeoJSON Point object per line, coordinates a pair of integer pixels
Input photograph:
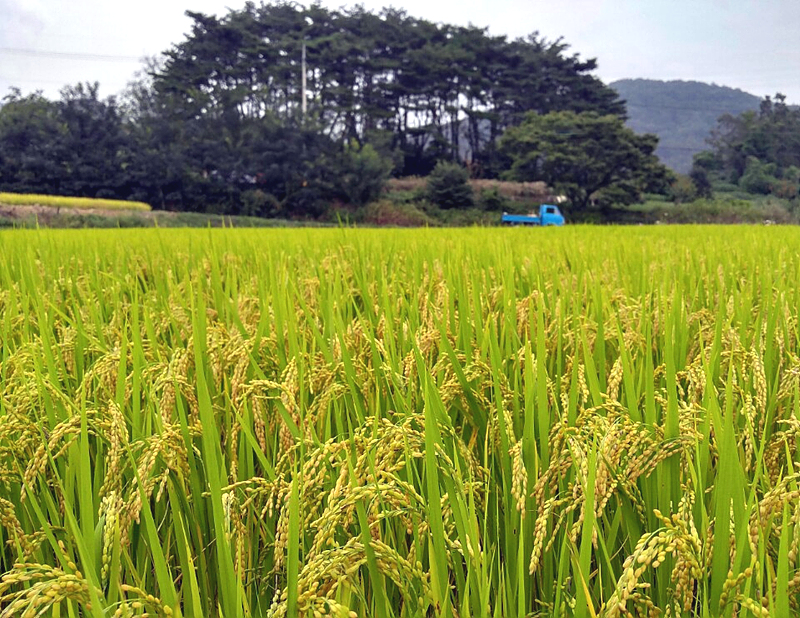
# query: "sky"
{"type": "Point", "coordinates": [747, 44]}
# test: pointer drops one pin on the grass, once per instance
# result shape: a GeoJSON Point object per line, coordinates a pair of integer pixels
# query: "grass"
{"type": "Point", "coordinates": [67, 220]}
{"type": "Point", "coordinates": [61, 201]}
{"type": "Point", "coordinates": [719, 210]}
{"type": "Point", "coordinates": [485, 422]}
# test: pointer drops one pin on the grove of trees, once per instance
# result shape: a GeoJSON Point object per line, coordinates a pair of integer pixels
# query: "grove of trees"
{"type": "Point", "coordinates": [591, 159]}
{"type": "Point", "coordinates": [217, 123]}
{"type": "Point", "coordinates": [759, 152]}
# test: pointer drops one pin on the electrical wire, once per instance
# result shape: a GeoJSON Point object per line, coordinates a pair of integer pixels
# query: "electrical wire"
{"type": "Point", "coordinates": [68, 55]}
{"type": "Point", "coordinates": [123, 59]}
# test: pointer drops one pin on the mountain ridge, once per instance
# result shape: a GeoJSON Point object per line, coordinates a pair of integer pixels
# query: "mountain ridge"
{"type": "Point", "coordinates": [681, 113]}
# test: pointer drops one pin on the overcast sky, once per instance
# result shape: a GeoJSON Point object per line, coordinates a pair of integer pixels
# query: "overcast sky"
{"type": "Point", "coordinates": [747, 44]}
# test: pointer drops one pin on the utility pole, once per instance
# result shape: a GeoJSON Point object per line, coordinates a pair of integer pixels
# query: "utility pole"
{"type": "Point", "coordinates": [303, 84]}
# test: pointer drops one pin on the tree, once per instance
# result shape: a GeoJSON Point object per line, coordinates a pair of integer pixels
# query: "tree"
{"type": "Point", "coordinates": [702, 184]}
{"type": "Point", "coordinates": [31, 140]}
{"type": "Point", "coordinates": [218, 125]}
{"type": "Point", "coordinates": [157, 164]}
{"type": "Point", "coordinates": [363, 174]}
{"type": "Point", "coordinates": [94, 143]}
{"type": "Point", "coordinates": [74, 146]}
{"type": "Point", "coordinates": [771, 136]}
{"type": "Point", "coordinates": [592, 159]}
{"type": "Point", "coordinates": [682, 189]}
{"type": "Point", "coordinates": [758, 177]}
{"type": "Point", "coordinates": [448, 186]}
{"type": "Point", "coordinates": [437, 90]}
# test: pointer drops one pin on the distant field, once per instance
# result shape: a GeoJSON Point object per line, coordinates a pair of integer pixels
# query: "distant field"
{"type": "Point", "coordinates": [60, 201]}
{"type": "Point", "coordinates": [578, 422]}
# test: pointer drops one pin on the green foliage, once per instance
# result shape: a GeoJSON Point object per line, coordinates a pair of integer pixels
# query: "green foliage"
{"type": "Point", "coordinates": [785, 189]}
{"type": "Point", "coordinates": [701, 181]}
{"type": "Point", "coordinates": [457, 71]}
{"type": "Point", "coordinates": [592, 159]}
{"type": "Point", "coordinates": [758, 177]}
{"type": "Point", "coordinates": [682, 189]}
{"type": "Point", "coordinates": [757, 149]}
{"type": "Point", "coordinates": [76, 146]}
{"type": "Point", "coordinates": [788, 186]}
{"type": "Point", "coordinates": [31, 136]}
{"type": "Point", "coordinates": [792, 174]}
{"type": "Point", "coordinates": [363, 175]}
{"type": "Point", "coordinates": [448, 186]}
{"type": "Point", "coordinates": [257, 203]}
{"type": "Point", "coordinates": [706, 161]}
{"type": "Point", "coordinates": [493, 201]}
{"type": "Point", "coordinates": [726, 210]}
{"type": "Point", "coordinates": [96, 148]}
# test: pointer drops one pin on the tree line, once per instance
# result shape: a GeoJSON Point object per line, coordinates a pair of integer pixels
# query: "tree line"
{"type": "Point", "coordinates": [217, 123]}
{"type": "Point", "coordinates": [758, 151]}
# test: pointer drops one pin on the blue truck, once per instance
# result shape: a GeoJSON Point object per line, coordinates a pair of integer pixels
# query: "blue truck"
{"type": "Point", "coordinates": [548, 215]}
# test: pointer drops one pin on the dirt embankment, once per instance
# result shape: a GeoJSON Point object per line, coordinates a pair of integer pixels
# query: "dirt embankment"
{"type": "Point", "coordinates": [517, 191]}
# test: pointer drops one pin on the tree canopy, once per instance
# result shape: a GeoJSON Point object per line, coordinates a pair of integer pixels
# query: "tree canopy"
{"type": "Point", "coordinates": [74, 146]}
{"type": "Point", "coordinates": [758, 151]}
{"type": "Point", "coordinates": [591, 158]}
{"type": "Point", "coordinates": [421, 90]}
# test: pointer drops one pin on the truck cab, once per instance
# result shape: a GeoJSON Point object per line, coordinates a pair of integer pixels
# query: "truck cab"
{"type": "Point", "coordinates": [549, 214]}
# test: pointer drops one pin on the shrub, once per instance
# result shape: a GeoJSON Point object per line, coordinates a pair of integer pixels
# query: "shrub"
{"type": "Point", "coordinates": [258, 203]}
{"type": "Point", "coordinates": [682, 189]}
{"type": "Point", "coordinates": [758, 177]}
{"type": "Point", "coordinates": [493, 201]}
{"type": "Point", "coordinates": [789, 186]}
{"type": "Point", "coordinates": [364, 174]}
{"type": "Point", "coordinates": [792, 174]}
{"type": "Point", "coordinates": [386, 212]}
{"type": "Point", "coordinates": [702, 184]}
{"type": "Point", "coordinates": [723, 211]}
{"type": "Point", "coordinates": [785, 189]}
{"type": "Point", "coordinates": [448, 186]}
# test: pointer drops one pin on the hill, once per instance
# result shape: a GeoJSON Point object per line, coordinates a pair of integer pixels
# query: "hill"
{"type": "Point", "coordinates": [681, 113]}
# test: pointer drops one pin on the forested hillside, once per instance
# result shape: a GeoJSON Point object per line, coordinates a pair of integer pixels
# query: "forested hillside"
{"type": "Point", "coordinates": [681, 113]}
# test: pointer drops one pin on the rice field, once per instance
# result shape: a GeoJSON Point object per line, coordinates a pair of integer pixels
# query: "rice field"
{"type": "Point", "coordinates": [588, 422]}
{"type": "Point", "coordinates": [63, 201]}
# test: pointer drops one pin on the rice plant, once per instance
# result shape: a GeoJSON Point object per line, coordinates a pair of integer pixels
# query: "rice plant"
{"type": "Point", "coordinates": [234, 423]}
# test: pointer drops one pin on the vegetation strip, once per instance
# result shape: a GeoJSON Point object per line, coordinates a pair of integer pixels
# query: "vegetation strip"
{"type": "Point", "coordinates": [62, 201]}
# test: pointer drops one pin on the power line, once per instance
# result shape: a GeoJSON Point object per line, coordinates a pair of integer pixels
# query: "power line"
{"type": "Point", "coordinates": [37, 53]}
{"type": "Point", "coordinates": [14, 80]}
{"type": "Point", "coordinates": [118, 58]}
{"type": "Point", "coordinates": [716, 110]}
{"type": "Point", "coordinates": [681, 148]}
